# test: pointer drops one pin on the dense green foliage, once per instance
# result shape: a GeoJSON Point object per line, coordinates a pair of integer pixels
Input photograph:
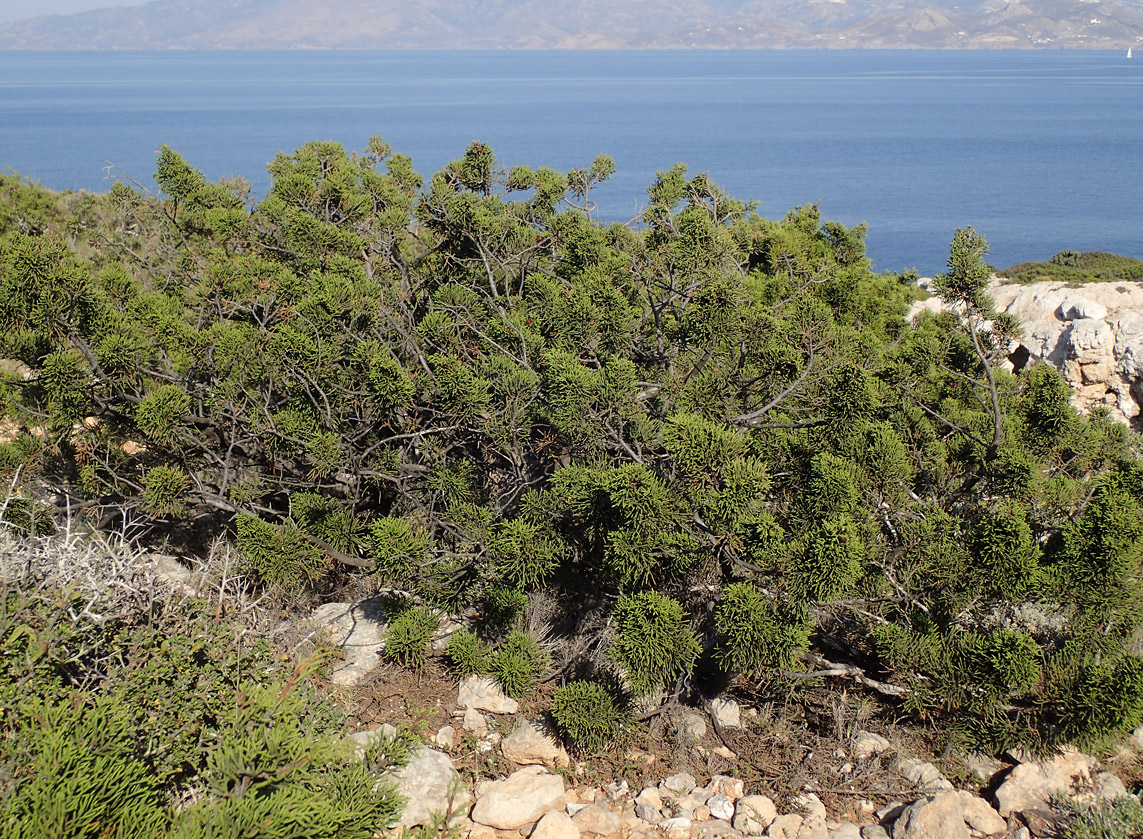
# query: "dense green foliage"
{"type": "Point", "coordinates": [1077, 267]}
{"type": "Point", "coordinates": [1120, 818]}
{"type": "Point", "coordinates": [166, 722]}
{"type": "Point", "coordinates": [713, 440]}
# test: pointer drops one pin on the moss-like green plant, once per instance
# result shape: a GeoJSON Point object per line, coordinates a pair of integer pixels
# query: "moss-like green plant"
{"type": "Point", "coordinates": [756, 635]}
{"type": "Point", "coordinates": [164, 489]}
{"type": "Point", "coordinates": [523, 554]}
{"type": "Point", "coordinates": [280, 554]}
{"type": "Point", "coordinates": [399, 546]}
{"type": "Point", "coordinates": [654, 643]}
{"type": "Point", "coordinates": [407, 637]}
{"type": "Point", "coordinates": [518, 663]}
{"type": "Point", "coordinates": [589, 715]}
{"type": "Point", "coordinates": [466, 654]}
{"type": "Point", "coordinates": [159, 414]}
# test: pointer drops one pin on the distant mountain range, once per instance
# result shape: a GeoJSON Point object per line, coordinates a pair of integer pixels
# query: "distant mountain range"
{"type": "Point", "coordinates": [589, 24]}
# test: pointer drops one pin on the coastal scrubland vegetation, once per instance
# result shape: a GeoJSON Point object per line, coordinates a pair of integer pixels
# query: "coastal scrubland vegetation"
{"type": "Point", "coordinates": [706, 449]}
{"type": "Point", "coordinates": [1077, 267]}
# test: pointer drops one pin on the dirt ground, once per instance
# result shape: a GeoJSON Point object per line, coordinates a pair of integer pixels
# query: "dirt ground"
{"type": "Point", "coordinates": [798, 743]}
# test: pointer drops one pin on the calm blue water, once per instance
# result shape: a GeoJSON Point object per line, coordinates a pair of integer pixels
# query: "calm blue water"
{"type": "Point", "coordinates": [1038, 150]}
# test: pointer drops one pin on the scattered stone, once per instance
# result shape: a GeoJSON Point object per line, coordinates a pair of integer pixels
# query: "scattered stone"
{"type": "Point", "coordinates": [874, 831]}
{"type": "Point", "coordinates": [811, 804]}
{"type": "Point", "coordinates": [680, 783]}
{"type": "Point", "coordinates": [676, 828]}
{"type": "Point", "coordinates": [814, 823]}
{"type": "Point", "coordinates": [979, 815]}
{"type": "Point", "coordinates": [932, 818]}
{"type": "Point", "coordinates": [481, 831]}
{"type": "Point", "coordinates": [356, 628]}
{"type": "Point", "coordinates": [924, 775]}
{"type": "Point", "coordinates": [891, 811]}
{"type": "Point", "coordinates": [615, 791]}
{"type": "Point", "coordinates": [948, 815]}
{"type": "Point", "coordinates": [533, 743]}
{"type": "Point", "coordinates": [785, 827]}
{"type": "Point", "coordinates": [482, 694]}
{"type": "Point", "coordinates": [1031, 785]}
{"type": "Point", "coordinates": [170, 571]}
{"type": "Point", "coordinates": [555, 825]}
{"type": "Point", "coordinates": [1137, 739]}
{"type": "Point", "coordinates": [753, 814]}
{"type": "Point", "coordinates": [692, 800]}
{"type": "Point", "coordinates": [983, 767]}
{"type": "Point", "coordinates": [445, 737]}
{"type": "Point", "coordinates": [725, 753]}
{"type": "Point", "coordinates": [597, 820]}
{"type": "Point", "coordinates": [430, 786]}
{"type": "Point", "coordinates": [520, 799]}
{"type": "Point", "coordinates": [475, 722]}
{"type": "Point", "coordinates": [732, 788]}
{"type": "Point", "coordinates": [650, 797]}
{"type": "Point", "coordinates": [845, 830]}
{"type": "Point", "coordinates": [866, 744]}
{"type": "Point", "coordinates": [726, 712]}
{"type": "Point", "coordinates": [573, 807]}
{"type": "Point", "coordinates": [716, 829]}
{"type": "Point", "coordinates": [693, 726]}
{"type": "Point", "coordinates": [1074, 308]}
{"type": "Point", "coordinates": [648, 813]}
{"type": "Point", "coordinates": [720, 807]}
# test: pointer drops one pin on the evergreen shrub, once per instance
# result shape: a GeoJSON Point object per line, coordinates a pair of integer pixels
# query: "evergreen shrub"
{"type": "Point", "coordinates": [408, 635]}
{"type": "Point", "coordinates": [589, 715]}
{"type": "Point", "coordinates": [654, 643]}
{"type": "Point", "coordinates": [518, 663]}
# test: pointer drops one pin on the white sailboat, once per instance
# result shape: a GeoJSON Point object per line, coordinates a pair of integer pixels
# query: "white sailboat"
{"type": "Point", "coordinates": [1129, 52]}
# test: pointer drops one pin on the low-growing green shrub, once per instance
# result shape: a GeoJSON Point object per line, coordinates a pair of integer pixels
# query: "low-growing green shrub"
{"type": "Point", "coordinates": [466, 654]}
{"type": "Point", "coordinates": [1121, 818]}
{"type": "Point", "coordinates": [756, 634]}
{"type": "Point", "coordinates": [407, 637]}
{"type": "Point", "coordinates": [518, 663]}
{"type": "Point", "coordinates": [129, 716]}
{"type": "Point", "coordinates": [588, 715]}
{"type": "Point", "coordinates": [654, 643]}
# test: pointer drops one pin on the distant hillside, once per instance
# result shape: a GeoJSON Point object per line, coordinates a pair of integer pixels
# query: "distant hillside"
{"type": "Point", "coordinates": [588, 24]}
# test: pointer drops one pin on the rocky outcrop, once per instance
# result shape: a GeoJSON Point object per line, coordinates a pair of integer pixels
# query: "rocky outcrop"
{"type": "Point", "coordinates": [1093, 334]}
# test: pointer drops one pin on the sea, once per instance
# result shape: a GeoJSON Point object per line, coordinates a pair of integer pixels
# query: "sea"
{"type": "Point", "coordinates": [1038, 150]}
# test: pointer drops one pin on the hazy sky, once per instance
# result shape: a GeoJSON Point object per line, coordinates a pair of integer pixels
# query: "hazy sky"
{"type": "Point", "coordinates": [16, 9]}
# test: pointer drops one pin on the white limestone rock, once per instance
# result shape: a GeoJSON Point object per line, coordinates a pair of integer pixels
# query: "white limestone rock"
{"type": "Point", "coordinates": [785, 827]}
{"type": "Point", "coordinates": [753, 814]}
{"type": "Point", "coordinates": [534, 743]}
{"type": "Point", "coordinates": [356, 628]}
{"type": "Point", "coordinates": [596, 820]}
{"type": "Point", "coordinates": [482, 694]}
{"type": "Point", "coordinates": [866, 744]}
{"type": "Point", "coordinates": [680, 783]}
{"type": "Point", "coordinates": [520, 799]}
{"type": "Point", "coordinates": [1079, 308]}
{"type": "Point", "coordinates": [555, 825]}
{"type": "Point", "coordinates": [430, 786]}
{"type": "Point", "coordinates": [726, 712]}
{"type": "Point", "coordinates": [1030, 785]}
{"type": "Point", "coordinates": [720, 807]}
